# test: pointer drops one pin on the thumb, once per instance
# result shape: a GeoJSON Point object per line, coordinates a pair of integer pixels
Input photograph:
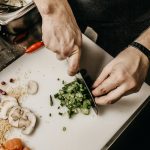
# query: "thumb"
{"type": "Point", "coordinates": [74, 61]}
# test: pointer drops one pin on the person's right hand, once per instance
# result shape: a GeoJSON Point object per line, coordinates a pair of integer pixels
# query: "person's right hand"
{"type": "Point", "coordinates": [61, 33]}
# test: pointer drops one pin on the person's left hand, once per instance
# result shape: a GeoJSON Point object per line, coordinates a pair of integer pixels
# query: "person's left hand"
{"type": "Point", "coordinates": [122, 76]}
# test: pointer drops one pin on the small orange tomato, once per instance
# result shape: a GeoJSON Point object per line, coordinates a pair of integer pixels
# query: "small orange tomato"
{"type": "Point", "coordinates": [14, 144]}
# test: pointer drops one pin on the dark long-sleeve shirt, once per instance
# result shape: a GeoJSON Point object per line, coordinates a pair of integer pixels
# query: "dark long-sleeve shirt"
{"type": "Point", "coordinates": [118, 22]}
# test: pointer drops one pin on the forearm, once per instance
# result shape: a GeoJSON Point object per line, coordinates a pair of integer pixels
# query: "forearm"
{"type": "Point", "coordinates": [48, 7]}
{"type": "Point", "coordinates": [144, 38]}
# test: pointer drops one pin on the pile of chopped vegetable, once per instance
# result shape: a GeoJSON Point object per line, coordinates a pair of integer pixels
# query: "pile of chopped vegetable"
{"type": "Point", "coordinates": [75, 97]}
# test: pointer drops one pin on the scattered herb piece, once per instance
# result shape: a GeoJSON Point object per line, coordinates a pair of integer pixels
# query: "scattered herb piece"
{"type": "Point", "coordinates": [58, 107]}
{"type": "Point", "coordinates": [63, 82]}
{"type": "Point", "coordinates": [50, 114]}
{"type": "Point", "coordinates": [75, 97]}
{"type": "Point", "coordinates": [58, 79]}
{"type": "Point", "coordinates": [60, 113]}
{"type": "Point", "coordinates": [51, 101]}
{"type": "Point", "coordinates": [64, 129]}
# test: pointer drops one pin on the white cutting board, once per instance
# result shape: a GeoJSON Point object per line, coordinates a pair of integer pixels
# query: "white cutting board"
{"type": "Point", "coordinates": [83, 132]}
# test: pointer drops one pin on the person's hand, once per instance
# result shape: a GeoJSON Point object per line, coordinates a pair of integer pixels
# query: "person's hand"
{"type": "Point", "coordinates": [61, 33]}
{"type": "Point", "coordinates": [122, 76]}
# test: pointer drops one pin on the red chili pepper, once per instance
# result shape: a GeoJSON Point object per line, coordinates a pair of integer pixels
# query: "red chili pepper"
{"type": "Point", "coordinates": [34, 47]}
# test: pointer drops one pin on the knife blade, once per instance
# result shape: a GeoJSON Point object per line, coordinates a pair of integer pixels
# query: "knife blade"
{"type": "Point", "coordinates": [94, 105]}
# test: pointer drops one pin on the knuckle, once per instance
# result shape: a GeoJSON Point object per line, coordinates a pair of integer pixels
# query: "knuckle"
{"type": "Point", "coordinates": [103, 91]}
{"type": "Point", "coordinates": [133, 84]}
{"type": "Point", "coordinates": [120, 76]}
{"type": "Point", "coordinates": [59, 57]}
{"type": "Point", "coordinates": [99, 91]}
{"type": "Point", "coordinates": [65, 52]}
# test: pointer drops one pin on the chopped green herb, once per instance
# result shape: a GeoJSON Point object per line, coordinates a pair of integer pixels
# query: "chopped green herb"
{"type": "Point", "coordinates": [64, 129]}
{"type": "Point", "coordinates": [75, 97]}
{"type": "Point", "coordinates": [50, 114]}
{"type": "Point", "coordinates": [58, 107]}
{"type": "Point", "coordinates": [63, 82]}
{"type": "Point", "coordinates": [58, 79]}
{"type": "Point", "coordinates": [51, 101]}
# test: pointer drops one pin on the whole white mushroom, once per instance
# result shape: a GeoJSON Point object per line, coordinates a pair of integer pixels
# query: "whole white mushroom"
{"type": "Point", "coordinates": [32, 87]}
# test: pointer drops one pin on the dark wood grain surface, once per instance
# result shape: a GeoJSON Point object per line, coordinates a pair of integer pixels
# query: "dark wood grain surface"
{"type": "Point", "coordinates": [8, 53]}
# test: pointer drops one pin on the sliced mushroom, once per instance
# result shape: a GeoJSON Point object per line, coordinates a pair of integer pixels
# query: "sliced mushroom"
{"type": "Point", "coordinates": [28, 124]}
{"type": "Point", "coordinates": [24, 112]}
{"type": "Point", "coordinates": [23, 123]}
{"type": "Point", "coordinates": [6, 105]}
{"type": "Point", "coordinates": [8, 98]}
{"type": "Point", "coordinates": [14, 116]}
{"type": "Point", "coordinates": [32, 87]}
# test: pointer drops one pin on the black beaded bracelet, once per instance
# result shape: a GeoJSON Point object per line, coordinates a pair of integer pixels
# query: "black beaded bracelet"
{"type": "Point", "coordinates": [141, 48]}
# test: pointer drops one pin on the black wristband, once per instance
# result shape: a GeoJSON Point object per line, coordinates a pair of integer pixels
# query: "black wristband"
{"type": "Point", "coordinates": [141, 48]}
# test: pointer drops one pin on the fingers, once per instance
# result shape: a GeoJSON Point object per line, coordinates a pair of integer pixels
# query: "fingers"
{"type": "Point", "coordinates": [59, 57]}
{"type": "Point", "coordinates": [106, 86]}
{"type": "Point", "coordinates": [104, 75]}
{"type": "Point", "coordinates": [74, 61]}
{"type": "Point", "coordinates": [111, 97]}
